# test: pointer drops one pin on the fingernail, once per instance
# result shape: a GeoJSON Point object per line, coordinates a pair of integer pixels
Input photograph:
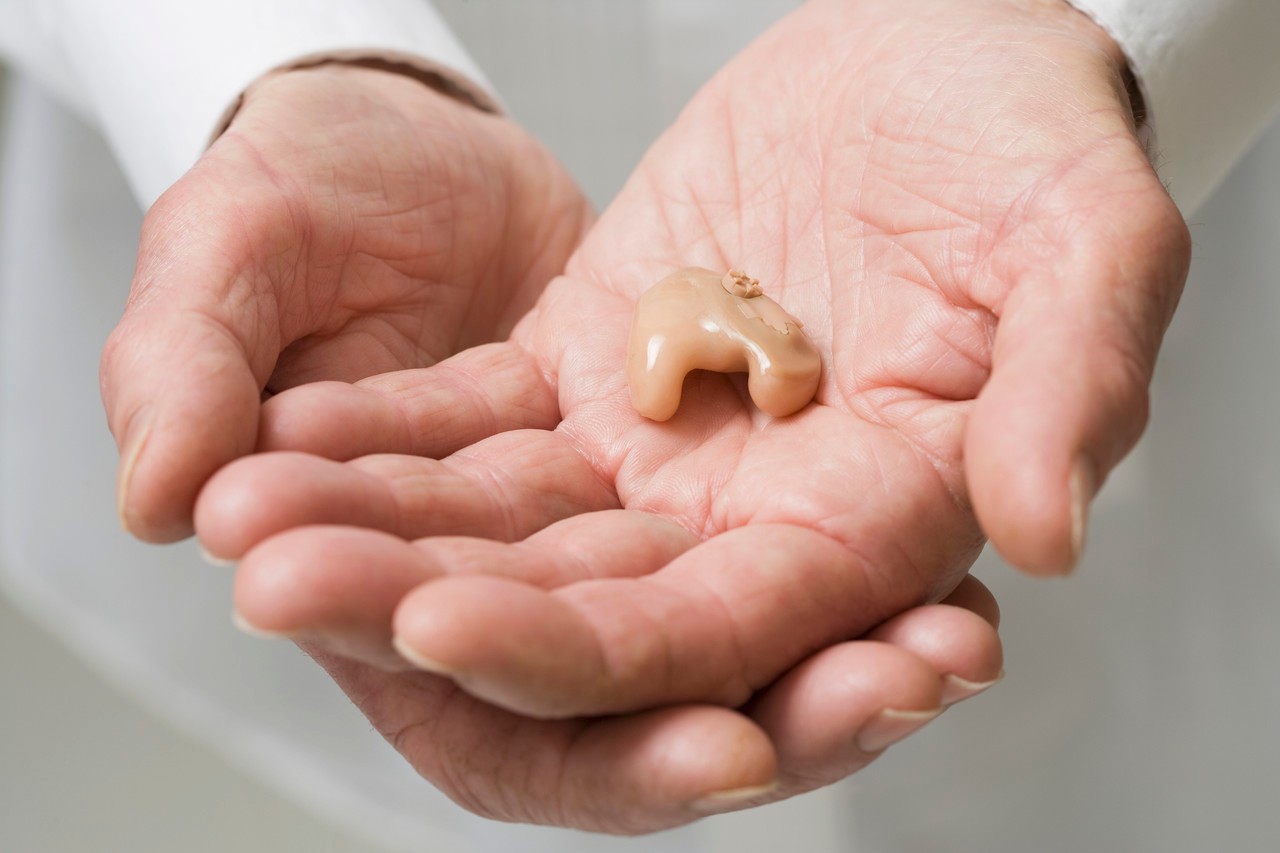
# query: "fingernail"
{"type": "Point", "coordinates": [1083, 485]}
{"type": "Point", "coordinates": [220, 562]}
{"type": "Point", "coordinates": [720, 801]}
{"type": "Point", "coordinates": [253, 630]}
{"type": "Point", "coordinates": [419, 660]}
{"type": "Point", "coordinates": [890, 726]}
{"type": "Point", "coordinates": [135, 440]}
{"type": "Point", "coordinates": [955, 688]}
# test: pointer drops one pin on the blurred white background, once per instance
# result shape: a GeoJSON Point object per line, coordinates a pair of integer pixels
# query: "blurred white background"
{"type": "Point", "coordinates": [77, 758]}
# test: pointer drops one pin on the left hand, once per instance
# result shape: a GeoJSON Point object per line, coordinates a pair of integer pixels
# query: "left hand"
{"type": "Point", "coordinates": [349, 222]}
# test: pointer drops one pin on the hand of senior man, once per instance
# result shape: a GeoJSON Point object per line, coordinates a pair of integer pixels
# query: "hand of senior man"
{"type": "Point", "coordinates": [353, 222]}
{"type": "Point", "coordinates": [953, 198]}
{"type": "Point", "coordinates": [349, 222]}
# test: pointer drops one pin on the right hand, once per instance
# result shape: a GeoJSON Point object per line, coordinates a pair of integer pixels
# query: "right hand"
{"type": "Point", "coordinates": [953, 197]}
{"type": "Point", "coordinates": [350, 222]}
{"type": "Point", "coordinates": [988, 291]}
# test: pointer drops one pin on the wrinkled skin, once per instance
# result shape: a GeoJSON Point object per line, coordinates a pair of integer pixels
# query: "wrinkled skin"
{"type": "Point", "coordinates": [353, 222]}
{"type": "Point", "coordinates": [952, 198]}
{"type": "Point", "coordinates": [350, 222]}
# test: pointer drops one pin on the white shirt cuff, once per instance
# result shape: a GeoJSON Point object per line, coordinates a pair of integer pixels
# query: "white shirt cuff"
{"type": "Point", "coordinates": [1210, 75]}
{"type": "Point", "coordinates": [160, 75]}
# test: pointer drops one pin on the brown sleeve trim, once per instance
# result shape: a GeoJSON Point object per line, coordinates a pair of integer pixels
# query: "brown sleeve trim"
{"type": "Point", "coordinates": [441, 78]}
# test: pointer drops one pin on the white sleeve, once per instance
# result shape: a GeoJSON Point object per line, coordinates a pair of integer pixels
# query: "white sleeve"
{"type": "Point", "coordinates": [158, 75]}
{"type": "Point", "coordinates": [1209, 71]}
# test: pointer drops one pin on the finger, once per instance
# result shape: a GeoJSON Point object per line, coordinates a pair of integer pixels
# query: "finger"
{"type": "Point", "coordinates": [430, 412]}
{"type": "Point", "coordinates": [593, 546]}
{"type": "Point", "coordinates": [338, 587]}
{"type": "Point", "coordinates": [1074, 353]}
{"type": "Point", "coordinates": [972, 594]}
{"type": "Point", "coordinates": [182, 401]}
{"type": "Point", "coordinates": [182, 372]}
{"type": "Point", "coordinates": [961, 647]}
{"type": "Point", "coordinates": [506, 487]}
{"type": "Point", "coordinates": [626, 775]}
{"type": "Point", "coordinates": [833, 714]}
{"type": "Point", "coordinates": [836, 712]}
{"type": "Point", "coordinates": [332, 587]}
{"type": "Point", "coordinates": [720, 621]}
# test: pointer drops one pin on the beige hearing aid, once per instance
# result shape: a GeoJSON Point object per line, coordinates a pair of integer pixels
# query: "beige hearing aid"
{"type": "Point", "coordinates": [696, 319]}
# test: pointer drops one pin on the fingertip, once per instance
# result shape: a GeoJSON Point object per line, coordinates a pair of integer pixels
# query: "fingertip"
{"type": "Point", "coordinates": [418, 660]}
{"type": "Point", "coordinates": [256, 497]}
{"type": "Point", "coordinates": [337, 586]}
{"type": "Point", "coordinates": [733, 799]}
{"type": "Point", "coordinates": [892, 725]}
{"type": "Point", "coordinates": [225, 514]}
{"type": "Point", "coordinates": [832, 714]}
{"type": "Point", "coordinates": [131, 447]}
{"type": "Point", "coordinates": [1019, 483]}
{"type": "Point", "coordinates": [155, 498]}
{"type": "Point", "coordinates": [159, 483]}
{"type": "Point", "coordinates": [247, 626]}
{"type": "Point", "coordinates": [280, 587]}
{"type": "Point", "coordinates": [511, 644]}
{"type": "Point", "coordinates": [956, 689]}
{"type": "Point", "coordinates": [953, 641]}
{"type": "Point", "coordinates": [737, 769]}
{"type": "Point", "coordinates": [183, 402]}
{"type": "Point", "coordinates": [1082, 486]}
{"type": "Point", "coordinates": [214, 560]}
{"type": "Point", "coordinates": [1037, 519]}
{"type": "Point", "coordinates": [671, 765]}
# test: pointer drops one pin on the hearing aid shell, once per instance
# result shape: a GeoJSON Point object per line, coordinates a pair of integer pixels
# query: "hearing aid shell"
{"type": "Point", "coordinates": [697, 319]}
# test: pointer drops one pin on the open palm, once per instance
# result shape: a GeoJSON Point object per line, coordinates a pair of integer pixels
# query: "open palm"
{"type": "Point", "coordinates": [954, 201]}
{"type": "Point", "coordinates": [348, 223]}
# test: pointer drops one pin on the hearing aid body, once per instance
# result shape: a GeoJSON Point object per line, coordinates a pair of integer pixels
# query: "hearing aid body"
{"type": "Point", "coordinates": [697, 319]}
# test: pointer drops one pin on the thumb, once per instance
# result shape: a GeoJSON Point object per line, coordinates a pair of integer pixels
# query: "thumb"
{"type": "Point", "coordinates": [181, 374]}
{"type": "Point", "coordinates": [1074, 354]}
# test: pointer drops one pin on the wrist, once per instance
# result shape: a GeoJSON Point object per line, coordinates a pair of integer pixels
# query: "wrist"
{"type": "Point", "coordinates": [1104, 41]}
{"type": "Point", "coordinates": [390, 73]}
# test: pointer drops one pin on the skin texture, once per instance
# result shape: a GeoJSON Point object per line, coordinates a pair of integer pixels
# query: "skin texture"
{"type": "Point", "coordinates": [350, 222]}
{"type": "Point", "coordinates": [952, 198]}
{"type": "Point", "coordinates": [353, 222]}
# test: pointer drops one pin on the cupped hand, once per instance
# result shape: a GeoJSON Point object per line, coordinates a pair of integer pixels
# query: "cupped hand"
{"type": "Point", "coordinates": [950, 195]}
{"type": "Point", "coordinates": [348, 223]}
{"type": "Point", "coordinates": [952, 198]}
